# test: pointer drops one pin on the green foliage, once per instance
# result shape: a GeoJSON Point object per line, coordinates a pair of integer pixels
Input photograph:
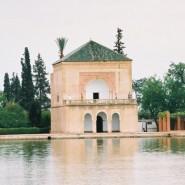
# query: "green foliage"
{"type": "Point", "coordinates": [61, 42]}
{"type": "Point", "coordinates": [35, 114]}
{"type": "Point", "coordinates": [144, 114]}
{"type": "Point", "coordinates": [15, 88]}
{"type": "Point", "coordinates": [41, 83]}
{"type": "Point", "coordinates": [138, 88]}
{"type": "Point", "coordinates": [181, 114]}
{"type": "Point", "coordinates": [3, 99]}
{"type": "Point", "coordinates": [174, 82]}
{"type": "Point", "coordinates": [177, 114]}
{"type": "Point", "coordinates": [172, 115]}
{"type": "Point", "coordinates": [7, 92]}
{"type": "Point", "coordinates": [13, 116]}
{"type": "Point", "coordinates": [30, 130]}
{"type": "Point", "coordinates": [27, 90]}
{"type": "Point", "coordinates": [119, 45]}
{"type": "Point", "coordinates": [44, 130]}
{"type": "Point", "coordinates": [46, 119]}
{"type": "Point", "coordinates": [162, 114]}
{"type": "Point", "coordinates": [153, 96]}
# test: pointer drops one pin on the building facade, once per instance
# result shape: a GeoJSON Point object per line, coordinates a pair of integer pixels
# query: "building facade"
{"type": "Point", "coordinates": [91, 92]}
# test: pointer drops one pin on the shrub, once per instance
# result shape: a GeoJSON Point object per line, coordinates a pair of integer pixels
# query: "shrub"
{"type": "Point", "coordinates": [13, 116]}
{"type": "Point", "coordinates": [44, 130]}
{"type": "Point", "coordinates": [31, 130]}
{"type": "Point", "coordinates": [45, 119]}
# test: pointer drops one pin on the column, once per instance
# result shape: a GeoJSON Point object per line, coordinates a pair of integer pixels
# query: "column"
{"type": "Point", "coordinates": [168, 122]}
{"type": "Point", "coordinates": [164, 124]}
{"type": "Point", "coordinates": [94, 122]}
{"type": "Point", "coordinates": [109, 121]}
{"type": "Point", "coordinates": [178, 123]}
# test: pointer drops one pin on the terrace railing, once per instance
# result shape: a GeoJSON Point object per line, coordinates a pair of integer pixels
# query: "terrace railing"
{"type": "Point", "coordinates": [100, 102]}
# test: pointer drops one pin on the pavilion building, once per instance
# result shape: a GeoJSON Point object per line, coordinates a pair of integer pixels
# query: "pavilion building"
{"type": "Point", "coordinates": [91, 91]}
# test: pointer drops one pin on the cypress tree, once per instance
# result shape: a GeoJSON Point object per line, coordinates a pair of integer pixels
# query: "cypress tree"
{"type": "Point", "coordinates": [7, 91]}
{"type": "Point", "coordinates": [27, 90]}
{"type": "Point", "coordinates": [41, 83]}
{"type": "Point", "coordinates": [15, 88]}
{"type": "Point", "coordinates": [119, 45]}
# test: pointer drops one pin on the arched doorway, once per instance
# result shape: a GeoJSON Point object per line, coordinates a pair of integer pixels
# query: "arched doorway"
{"type": "Point", "coordinates": [88, 123]}
{"type": "Point", "coordinates": [101, 122]}
{"type": "Point", "coordinates": [97, 89]}
{"type": "Point", "coordinates": [115, 123]}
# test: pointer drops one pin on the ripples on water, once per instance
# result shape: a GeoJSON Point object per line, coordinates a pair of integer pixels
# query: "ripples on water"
{"type": "Point", "coordinates": [131, 161]}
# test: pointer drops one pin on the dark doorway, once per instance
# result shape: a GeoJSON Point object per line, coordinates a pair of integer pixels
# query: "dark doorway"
{"type": "Point", "coordinates": [99, 124]}
{"type": "Point", "coordinates": [95, 95]}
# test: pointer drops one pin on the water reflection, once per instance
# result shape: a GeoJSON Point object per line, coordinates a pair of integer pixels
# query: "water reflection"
{"type": "Point", "coordinates": [172, 145]}
{"type": "Point", "coordinates": [93, 161]}
{"type": "Point", "coordinates": [22, 162]}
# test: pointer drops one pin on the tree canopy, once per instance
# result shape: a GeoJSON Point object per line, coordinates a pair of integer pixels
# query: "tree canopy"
{"type": "Point", "coordinates": [119, 45]}
{"type": "Point", "coordinates": [7, 91]}
{"type": "Point", "coordinates": [157, 95]}
{"type": "Point", "coordinates": [27, 90]}
{"type": "Point", "coordinates": [41, 83]}
{"type": "Point", "coordinates": [61, 42]}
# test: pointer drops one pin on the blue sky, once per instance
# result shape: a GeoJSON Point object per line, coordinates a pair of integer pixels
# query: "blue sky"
{"type": "Point", "coordinates": [154, 31]}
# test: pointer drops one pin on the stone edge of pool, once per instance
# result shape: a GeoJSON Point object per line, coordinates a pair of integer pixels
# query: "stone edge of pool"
{"type": "Point", "coordinates": [91, 135]}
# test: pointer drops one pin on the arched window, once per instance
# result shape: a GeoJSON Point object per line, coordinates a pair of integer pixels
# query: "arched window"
{"type": "Point", "coordinates": [115, 123]}
{"type": "Point", "coordinates": [88, 123]}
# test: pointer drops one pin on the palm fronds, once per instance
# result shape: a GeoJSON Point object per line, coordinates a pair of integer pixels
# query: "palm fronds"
{"type": "Point", "coordinates": [61, 42]}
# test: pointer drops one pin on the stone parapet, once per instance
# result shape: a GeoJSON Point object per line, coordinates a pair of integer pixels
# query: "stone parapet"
{"type": "Point", "coordinates": [101, 102]}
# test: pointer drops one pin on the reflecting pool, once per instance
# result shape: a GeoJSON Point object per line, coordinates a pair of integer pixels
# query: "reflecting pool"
{"type": "Point", "coordinates": [127, 161]}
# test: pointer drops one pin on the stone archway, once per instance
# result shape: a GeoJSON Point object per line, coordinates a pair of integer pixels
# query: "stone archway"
{"type": "Point", "coordinates": [115, 123]}
{"type": "Point", "coordinates": [97, 89]}
{"type": "Point", "coordinates": [101, 122]}
{"type": "Point", "coordinates": [87, 123]}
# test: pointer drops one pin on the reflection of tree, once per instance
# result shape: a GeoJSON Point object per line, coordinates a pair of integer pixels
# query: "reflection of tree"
{"type": "Point", "coordinates": [154, 144]}
{"type": "Point", "coordinates": [99, 143]}
{"type": "Point", "coordinates": [177, 145]}
{"type": "Point", "coordinates": [33, 149]}
{"type": "Point", "coordinates": [25, 160]}
{"type": "Point", "coordinates": [35, 155]}
{"type": "Point", "coordinates": [174, 145]}
{"type": "Point", "coordinates": [25, 149]}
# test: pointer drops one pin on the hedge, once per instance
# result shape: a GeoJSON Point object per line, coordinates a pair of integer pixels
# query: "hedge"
{"type": "Point", "coordinates": [30, 130]}
{"type": "Point", "coordinates": [44, 130]}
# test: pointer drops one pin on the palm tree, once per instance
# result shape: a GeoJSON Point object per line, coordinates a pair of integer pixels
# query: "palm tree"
{"type": "Point", "coordinates": [61, 42]}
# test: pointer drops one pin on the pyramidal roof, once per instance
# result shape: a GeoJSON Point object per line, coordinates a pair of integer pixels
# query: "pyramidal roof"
{"type": "Point", "coordinates": [92, 51]}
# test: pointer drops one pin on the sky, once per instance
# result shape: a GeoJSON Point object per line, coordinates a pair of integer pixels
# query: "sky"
{"type": "Point", "coordinates": [153, 31]}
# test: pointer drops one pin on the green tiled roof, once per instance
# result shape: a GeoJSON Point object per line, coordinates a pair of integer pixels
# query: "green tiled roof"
{"type": "Point", "coordinates": [92, 51]}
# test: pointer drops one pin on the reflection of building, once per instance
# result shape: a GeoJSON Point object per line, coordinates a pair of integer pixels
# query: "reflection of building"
{"type": "Point", "coordinates": [89, 92]}
{"type": "Point", "coordinates": [91, 161]}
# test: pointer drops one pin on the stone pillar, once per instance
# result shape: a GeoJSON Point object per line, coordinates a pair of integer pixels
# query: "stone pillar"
{"type": "Point", "coordinates": [178, 123]}
{"type": "Point", "coordinates": [168, 122]}
{"type": "Point", "coordinates": [160, 125]}
{"type": "Point", "coordinates": [109, 121]}
{"type": "Point", "coordinates": [164, 124]}
{"type": "Point", "coordinates": [94, 122]}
